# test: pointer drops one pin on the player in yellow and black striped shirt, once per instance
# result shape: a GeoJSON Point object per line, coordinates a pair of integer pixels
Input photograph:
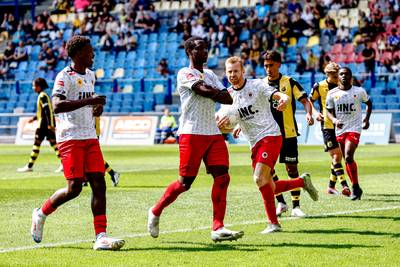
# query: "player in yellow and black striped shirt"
{"type": "Point", "coordinates": [319, 93]}
{"type": "Point", "coordinates": [287, 122]}
{"type": "Point", "coordinates": [46, 124]}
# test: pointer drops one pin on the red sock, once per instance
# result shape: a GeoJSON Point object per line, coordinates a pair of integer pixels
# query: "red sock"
{"type": "Point", "coordinates": [268, 196]}
{"type": "Point", "coordinates": [170, 194]}
{"type": "Point", "coordinates": [351, 169]}
{"type": "Point", "coordinates": [47, 208]}
{"type": "Point", "coordinates": [218, 197]}
{"type": "Point", "coordinates": [286, 185]}
{"type": "Point", "coordinates": [100, 224]}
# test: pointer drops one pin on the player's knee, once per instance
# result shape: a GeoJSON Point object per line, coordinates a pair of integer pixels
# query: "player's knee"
{"type": "Point", "coordinates": [187, 182]}
{"type": "Point", "coordinates": [218, 170]}
{"type": "Point", "coordinates": [74, 188]}
{"type": "Point", "coordinates": [222, 180]}
{"type": "Point", "coordinates": [259, 180]}
{"type": "Point", "coordinates": [349, 159]}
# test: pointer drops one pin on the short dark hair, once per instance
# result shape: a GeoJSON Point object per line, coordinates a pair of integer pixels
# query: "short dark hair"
{"type": "Point", "coordinates": [75, 44]}
{"type": "Point", "coordinates": [272, 55]}
{"type": "Point", "coordinates": [190, 43]}
{"type": "Point", "coordinates": [41, 83]}
{"type": "Point", "coordinates": [348, 69]}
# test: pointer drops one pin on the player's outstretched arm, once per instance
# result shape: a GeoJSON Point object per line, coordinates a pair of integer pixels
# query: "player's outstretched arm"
{"type": "Point", "coordinates": [61, 104]}
{"type": "Point", "coordinates": [220, 96]}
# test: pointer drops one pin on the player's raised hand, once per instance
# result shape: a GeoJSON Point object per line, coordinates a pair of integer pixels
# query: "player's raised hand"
{"type": "Point", "coordinates": [222, 122]}
{"type": "Point", "coordinates": [282, 104]}
{"type": "Point", "coordinates": [365, 124]}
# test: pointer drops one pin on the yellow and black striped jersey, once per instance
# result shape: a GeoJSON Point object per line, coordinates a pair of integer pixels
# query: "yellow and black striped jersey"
{"type": "Point", "coordinates": [44, 113]}
{"type": "Point", "coordinates": [319, 92]}
{"type": "Point", "coordinates": [286, 119]}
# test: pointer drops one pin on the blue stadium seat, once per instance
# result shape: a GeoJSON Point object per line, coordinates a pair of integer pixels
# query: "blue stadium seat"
{"type": "Point", "coordinates": [159, 98]}
{"type": "Point", "coordinates": [390, 99]}
{"type": "Point", "coordinates": [393, 106]}
{"type": "Point", "coordinates": [379, 106]}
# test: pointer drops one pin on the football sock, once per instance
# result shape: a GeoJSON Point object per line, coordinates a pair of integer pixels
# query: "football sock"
{"type": "Point", "coordinates": [54, 146]}
{"type": "Point", "coordinates": [279, 196]}
{"type": "Point", "coordinates": [351, 169]}
{"type": "Point", "coordinates": [170, 194]}
{"type": "Point", "coordinates": [332, 178]}
{"type": "Point", "coordinates": [340, 174]}
{"type": "Point", "coordinates": [269, 202]}
{"type": "Point", "coordinates": [295, 192]}
{"type": "Point", "coordinates": [286, 185]}
{"type": "Point", "coordinates": [100, 224]}
{"type": "Point", "coordinates": [47, 208]}
{"type": "Point", "coordinates": [109, 169]}
{"type": "Point", "coordinates": [34, 154]}
{"type": "Point", "coordinates": [218, 197]}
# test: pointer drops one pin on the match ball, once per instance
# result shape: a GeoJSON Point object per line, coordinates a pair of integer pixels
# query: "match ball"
{"type": "Point", "coordinates": [231, 112]}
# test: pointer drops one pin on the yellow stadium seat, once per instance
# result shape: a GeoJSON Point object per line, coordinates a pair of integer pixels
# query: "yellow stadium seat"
{"type": "Point", "coordinates": [99, 73]}
{"type": "Point", "coordinates": [313, 40]}
{"type": "Point", "coordinates": [292, 41]}
{"type": "Point", "coordinates": [322, 24]}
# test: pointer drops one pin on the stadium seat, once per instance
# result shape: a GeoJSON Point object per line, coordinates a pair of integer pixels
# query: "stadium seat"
{"type": "Point", "coordinates": [336, 49]}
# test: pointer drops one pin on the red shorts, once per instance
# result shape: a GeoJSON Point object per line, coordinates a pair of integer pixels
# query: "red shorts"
{"type": "Point", "coordinates": [267, 151]}
{"type": "Point", "coordinates": [79, 157]}
{"type": "Point", "coordinates": [351, 136]}
{"type": "Point", "coordinates": [193, 148]}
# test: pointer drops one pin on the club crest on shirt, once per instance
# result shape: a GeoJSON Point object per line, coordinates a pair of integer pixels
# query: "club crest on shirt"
{"type": "Point", "coordinates": [79, 82]}
{"type": "Point", "coordinates": [283, 89]}
{"type": "Point", "coordinates": [250, 94]}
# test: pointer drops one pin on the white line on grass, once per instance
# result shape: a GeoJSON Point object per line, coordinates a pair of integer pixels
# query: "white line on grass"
{"type": "Point", "coordinates": [51, 245]}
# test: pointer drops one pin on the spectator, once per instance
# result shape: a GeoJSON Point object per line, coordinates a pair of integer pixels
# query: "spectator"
{"type": "Point", "coordinates": [3, 68]}
{"type": "Point", "coordinates": [252, 21]}
{"type": "Point", "coordinates": [262, 9]}
{"type": "Point", "coordinates": [178, 26]}
{"type": "Point", "coordinates": [369, 57]}
{"type": "Point", "coordinates": [51, 59]}
{"type": "Point", "coordinates": [323, 61]}
{"type": "Point", "coordinates": [21, 53]}
{"type": "Point", "coordinates": [121, 43]}
{"type": "Point", "coordinates": [255, 51]}
{"type": "Point", "coordinates": [301, 64]}
{"type": "Point", "coordinates": [168, 126]}
{"type": "Point", "coordinates": [76, 22]}
{"type": "Point", "coordinates": [9, 52]}
{"type": "Point", "coordinates": [62, 52]}
{"type": "Point", "coordinates": [394, 40]}
{"type": "Point", "coordinates": [209, 6]}
{"type": "Point", "coordinates": [27, 27]}
{"type": "Point", "coordinates": [293, 6]}
{"type": "Point", "coordinates": [343, 35]}
{"type": "Point", "coordinates": [19, 35]}
{"type": "Point", "coordinates": [163, 67]}
{"type": "Point", "coordinates": [248, 68]}
{"type": "Point", "coordinates": [131, 41]}
{"type": "Point", "coordinates": [312, 62]}
{"type": "Point", "coordinates": [106, 42]}
{"type": "Point", "coordinates": [197, 29]}
{"type": "Point", "coordinates": [39, 25]}
{"type": "Point", "coordinates": [212, 40]}
{"type": "Point", "coordinates": [81, 5]}
{"type": "Point", "coordinates": [100, 26]}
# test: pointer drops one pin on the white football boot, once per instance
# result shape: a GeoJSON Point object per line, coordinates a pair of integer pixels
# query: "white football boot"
{"type": "Point", "coordinates": [25, 169]}
{"type": "Point", "coordinates": [272, 228]}
{"type": "Point", "coordinates": [59, 169]}
{"type": "Point", "coordinates": [309, 187]}
{"type": "Point", "coordinates": [224, 234]}
{"type": "Point", "coordinates": [115, 179]}
{"type": "Point", "coordinates": [297, 212]}
{"type": "Point", "coordinates": [107, 243]}
{"type": "Point", "coordinates": [38, 220]}
{"type": "Point", "coordinates": [153, 223]}
{"type": "Point", "coordinates": [281, 208]}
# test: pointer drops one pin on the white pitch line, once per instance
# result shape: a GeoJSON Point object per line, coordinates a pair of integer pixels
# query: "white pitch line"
{"type": "Point", "coordinates": [51, 245]}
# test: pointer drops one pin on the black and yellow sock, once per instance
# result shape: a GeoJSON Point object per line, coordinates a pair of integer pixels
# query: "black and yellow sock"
{"type": "Point", "coordinates": [53, 144]}
{"type": "Point", "coordinates": [339, 171]}
{"type": "Point", "coordinates": [279, 197]}
{"type": "Point", "coordinates": [109, 169]}
{"type": "Point", "coordinates": [34, 154]}
{"type": "Point", "coordinates": [333, 177]}
{"type": "Point", "coordinates": [295, 192]}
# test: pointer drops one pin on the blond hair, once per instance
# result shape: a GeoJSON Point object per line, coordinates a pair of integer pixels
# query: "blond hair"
{"type": "Point", "coordinates": [233, 60]}
{"type": "Point", "coordinates": [332, 67]}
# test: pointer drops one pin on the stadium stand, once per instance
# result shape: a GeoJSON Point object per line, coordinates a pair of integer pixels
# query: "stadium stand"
{"type": "Point", "coordinates": [131, 38]}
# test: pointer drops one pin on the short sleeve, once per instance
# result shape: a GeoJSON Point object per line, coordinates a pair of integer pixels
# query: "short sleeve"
{"type": "Point", "coordinates": [216, 82]}
{"type": "Point", "coordinates": [329, 101]}
{"type": "Point", "coordinates": [61, 84]}
{"type": "Point", "coordinates": [364, 95]}
{"type": "Point", "coordinates": [314, 95]}
{"type": "Point", "coordinates": [186, 78]}
{"type": "Point", "coordinates": [267, 90]}
{"type": "Point", "coordinates": [298, 91]}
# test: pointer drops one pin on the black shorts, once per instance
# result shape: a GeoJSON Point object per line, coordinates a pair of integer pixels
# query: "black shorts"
{"type": "Point", "coordinates": [329, 139]}
{"type": "Point", "coordinates": [289, 153]}
{"type": "Point", "coordinates": [42, 133]}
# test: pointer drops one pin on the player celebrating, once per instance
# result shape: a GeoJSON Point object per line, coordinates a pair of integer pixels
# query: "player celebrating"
{"type": "Point", "coordinates": [199, 139]}
{"type": "Point", "coordinates": [46, 124]}
{"type": "Point", "coordinates": [319, 93]}
{"type": "Point", "coordinates": [344, 109]}
{"type": "Point", "coordinates": [288, 125]}
{"type": "Point", "coordinates": [76, 104]}
{"type": "Point", "coordinates": [252, 101]}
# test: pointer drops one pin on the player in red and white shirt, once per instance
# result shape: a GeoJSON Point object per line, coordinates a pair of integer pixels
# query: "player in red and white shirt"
{"type": "Point", "coordinates": [76, 105]}
{"type": "Point", "coordinates": [252, 101]}
{"type": "Point", "coordinates": [199, 139]}
{"type": "Point", "coordinates": [344, 109]}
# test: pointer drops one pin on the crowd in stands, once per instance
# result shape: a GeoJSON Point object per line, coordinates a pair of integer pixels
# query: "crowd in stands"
{"type": "Point", "coordinates": [248, 31]}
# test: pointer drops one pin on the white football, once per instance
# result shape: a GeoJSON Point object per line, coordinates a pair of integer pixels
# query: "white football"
{"type": "Point", "coordinates": [229, 111]}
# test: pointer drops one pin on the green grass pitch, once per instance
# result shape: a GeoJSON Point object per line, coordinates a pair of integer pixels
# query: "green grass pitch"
{"type": "Point", "coordinates": [339, 233]}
